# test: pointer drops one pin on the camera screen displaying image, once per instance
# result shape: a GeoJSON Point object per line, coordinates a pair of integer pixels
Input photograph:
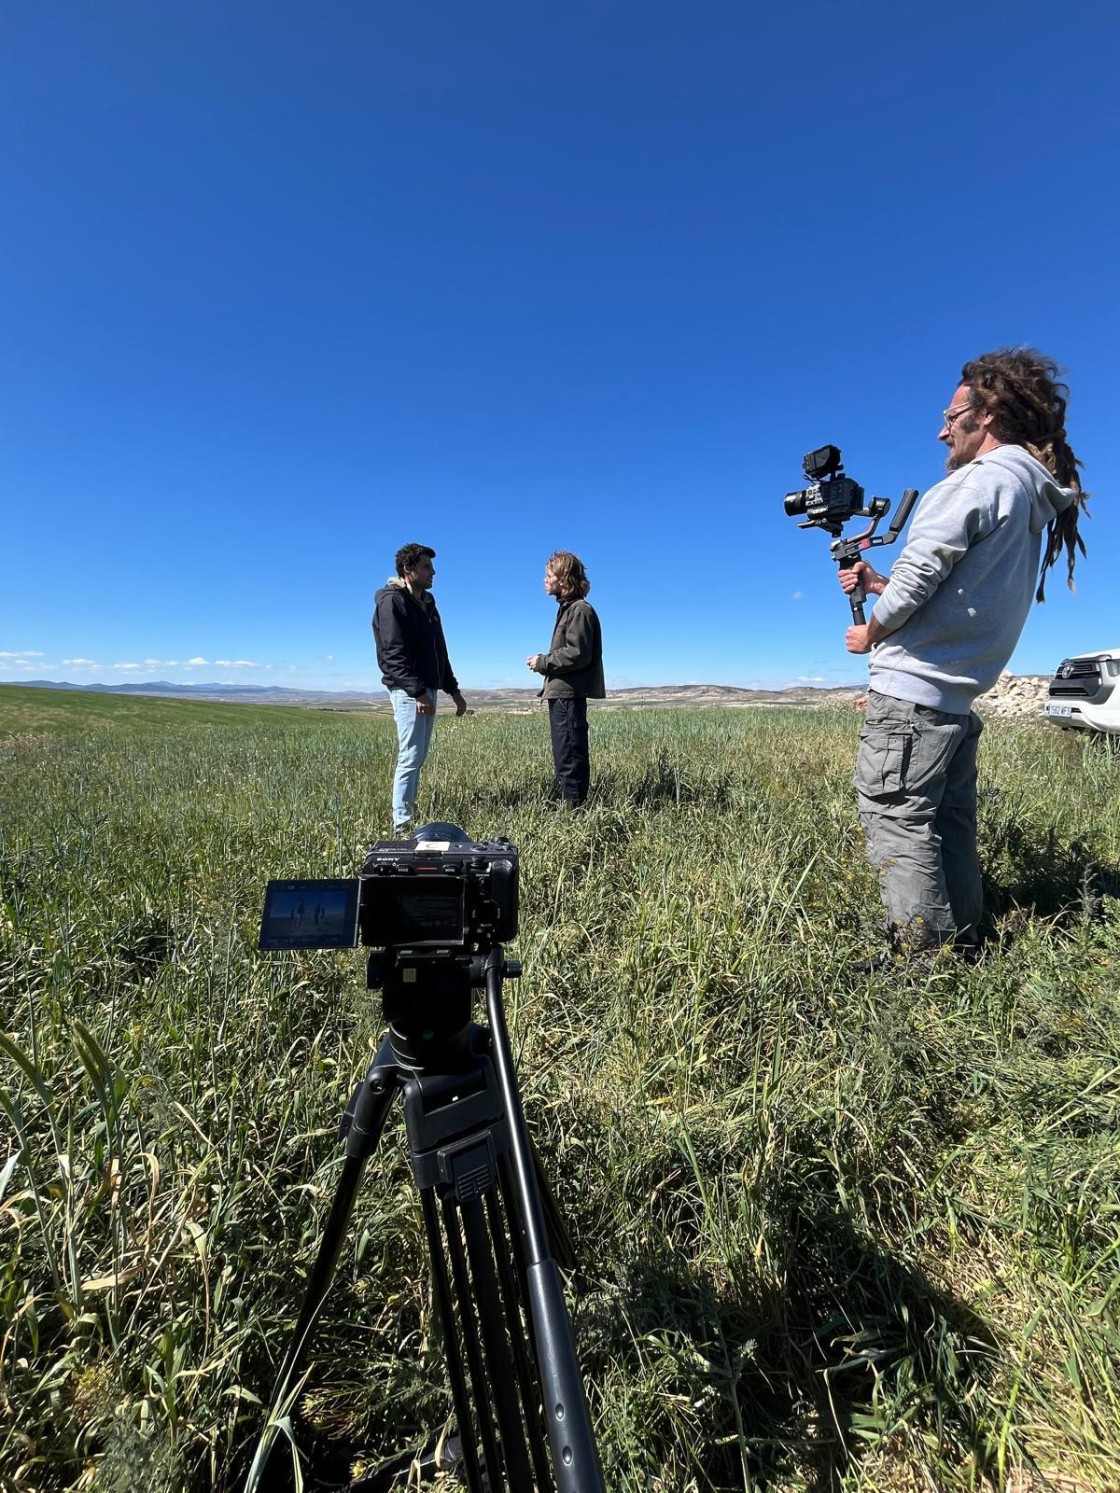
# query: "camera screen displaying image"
{"type": "Point", "coordinates": [310, 915]}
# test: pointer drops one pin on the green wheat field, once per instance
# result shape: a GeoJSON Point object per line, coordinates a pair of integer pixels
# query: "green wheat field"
{"type": "Point", "coordinates": [834, 1233]}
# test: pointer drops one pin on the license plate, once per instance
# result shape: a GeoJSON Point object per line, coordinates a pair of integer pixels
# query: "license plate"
{"type": "Point", "coordinates": [1064, 711]}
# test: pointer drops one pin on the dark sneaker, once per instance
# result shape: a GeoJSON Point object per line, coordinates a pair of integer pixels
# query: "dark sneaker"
{"type": "Point", "coordinates": [870, 966]}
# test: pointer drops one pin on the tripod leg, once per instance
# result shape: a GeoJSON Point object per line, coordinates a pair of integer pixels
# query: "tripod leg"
{"type": "Point", "coordinates": [575, 1460]}
{"type": "Point", "coordinates": [450, 1340]}
{"type": "Point", "coordinates": [514, 1294]}
{"type": "Point", "coordinates": [473, 1348]}
{"type": "Point", "coordinates": [386, 1475]}
{"type": "Point", "coordinates": [368, 1110]}
{"type": "Point", "coordinates": [499, 1329]}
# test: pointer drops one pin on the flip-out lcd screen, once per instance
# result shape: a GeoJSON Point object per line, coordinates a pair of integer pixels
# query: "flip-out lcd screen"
{"type": "Point", "coordinates": [310, 915]}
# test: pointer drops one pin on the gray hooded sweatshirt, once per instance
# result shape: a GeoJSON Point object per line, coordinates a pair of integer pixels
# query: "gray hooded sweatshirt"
{"type": "Point", "coordinates": [961, 589]}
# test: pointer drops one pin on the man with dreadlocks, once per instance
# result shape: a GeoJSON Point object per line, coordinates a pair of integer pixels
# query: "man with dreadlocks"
{"type": "Point", "coordinates": [944, 626]}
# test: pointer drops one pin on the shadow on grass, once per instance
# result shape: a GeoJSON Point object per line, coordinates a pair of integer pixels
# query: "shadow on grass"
{"type": "Point", "coordinates": [663, 781]}
{"type": "Point", "coordinates": [800, 1383]}
{"type": "Point", "coordinates": [1052, 877]}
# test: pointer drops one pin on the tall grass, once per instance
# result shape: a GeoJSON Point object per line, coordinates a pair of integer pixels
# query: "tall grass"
{"type": "Point", "coordinates": [833, 1232]}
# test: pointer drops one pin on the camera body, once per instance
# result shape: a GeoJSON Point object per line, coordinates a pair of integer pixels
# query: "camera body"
{"type": "Point", "coordinates": [432, 909]}
{"type": "Point", "coordinates": [438, 891]}
{"type": "Point", "coordinates": [831, 499]}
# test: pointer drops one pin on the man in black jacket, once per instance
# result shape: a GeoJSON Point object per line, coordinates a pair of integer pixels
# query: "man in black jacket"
{"type": "Point", "coordinates": [414, 666]}
{"type": "Point", "coordinates": [573, 673]}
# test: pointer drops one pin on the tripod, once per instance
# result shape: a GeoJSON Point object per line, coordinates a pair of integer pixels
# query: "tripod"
{"type": "Point", "coordinates": [521, 1414]}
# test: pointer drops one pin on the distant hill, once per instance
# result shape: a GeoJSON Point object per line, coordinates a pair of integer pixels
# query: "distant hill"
{"type": "Point", "coordinates": [648, 696]}
{"type": "Point", "coordinates": [255, 694]}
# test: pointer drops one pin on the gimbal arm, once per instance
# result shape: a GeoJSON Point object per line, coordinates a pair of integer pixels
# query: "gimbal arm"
{"type": "Point", "coordinates": [848, 552]}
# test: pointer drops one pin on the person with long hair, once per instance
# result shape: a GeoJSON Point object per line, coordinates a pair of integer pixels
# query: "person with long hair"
{"type": "Point", "coordinates": [573, 674]}
{"type": "Point", "coordinates": [945, 624]}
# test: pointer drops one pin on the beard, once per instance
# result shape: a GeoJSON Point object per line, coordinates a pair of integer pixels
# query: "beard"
{"type": "Point", "coordinates": [956, 459]}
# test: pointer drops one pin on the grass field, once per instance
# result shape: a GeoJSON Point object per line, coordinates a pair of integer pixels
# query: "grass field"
{"type": "Point", "coordinates": [834, 1233]}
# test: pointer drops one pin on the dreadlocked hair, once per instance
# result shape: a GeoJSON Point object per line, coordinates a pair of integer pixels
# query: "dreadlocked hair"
{"type": "Point", "coordinates": [1021, 388]}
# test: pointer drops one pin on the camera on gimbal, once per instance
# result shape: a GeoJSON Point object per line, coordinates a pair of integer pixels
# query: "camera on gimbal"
{"type": "Point", "coordinates": [831, 499]}
{"type": "Point", "coordinates": [431, 908]}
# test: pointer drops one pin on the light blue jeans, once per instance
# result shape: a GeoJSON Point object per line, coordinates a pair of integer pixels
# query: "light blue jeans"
{"type": "Point", "coordinates": [414, 735]}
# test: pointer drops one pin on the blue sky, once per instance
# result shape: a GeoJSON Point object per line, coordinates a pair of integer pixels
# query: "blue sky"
{"type": "Point", "coordinates": [283, 287]}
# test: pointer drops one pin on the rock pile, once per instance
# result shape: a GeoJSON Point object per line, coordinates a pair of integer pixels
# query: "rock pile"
{"type": "Point", "coordinates": [1021, 695]}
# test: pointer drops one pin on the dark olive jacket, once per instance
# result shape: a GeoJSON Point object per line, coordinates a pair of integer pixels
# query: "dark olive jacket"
{"type": "Point", "coordinates": [411, 651]}
{"type": "Point", "coordinates": [573, 664]}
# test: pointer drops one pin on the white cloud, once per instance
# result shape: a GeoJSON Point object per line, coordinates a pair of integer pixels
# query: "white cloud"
{"type": "Point", "coordinates": [797, 595]}
{"type": "Point", "coordinates": [149, 666]}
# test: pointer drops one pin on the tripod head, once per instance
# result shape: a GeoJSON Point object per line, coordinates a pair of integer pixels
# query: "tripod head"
{"type": "Point", "coordinates": [427, 996]}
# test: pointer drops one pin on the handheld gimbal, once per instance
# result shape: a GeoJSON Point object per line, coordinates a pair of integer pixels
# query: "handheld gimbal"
{"type": "Point", "coordinates": [831, 500]}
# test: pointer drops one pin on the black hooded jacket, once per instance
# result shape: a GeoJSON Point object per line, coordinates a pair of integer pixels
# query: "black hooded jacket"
{"type": "Point", "coordinates": [411, 652]}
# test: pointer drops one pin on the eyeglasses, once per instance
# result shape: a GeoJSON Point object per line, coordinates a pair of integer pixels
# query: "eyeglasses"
{"type": "Point", "coordinates": [953, 414]}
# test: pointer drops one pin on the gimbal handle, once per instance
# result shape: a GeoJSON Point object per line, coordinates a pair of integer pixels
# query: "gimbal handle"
{"type": "Point", "coordinates": [848, 552]}
{"type": "Point", "coordinates": [857, 595]}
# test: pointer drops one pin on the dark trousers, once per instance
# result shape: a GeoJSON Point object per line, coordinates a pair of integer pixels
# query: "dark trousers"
{"type": "Point", "coordinates": [567, 724]}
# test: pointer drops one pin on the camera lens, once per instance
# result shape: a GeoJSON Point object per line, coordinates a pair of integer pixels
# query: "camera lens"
{"type": "Point", "coordinates": [795, 502]}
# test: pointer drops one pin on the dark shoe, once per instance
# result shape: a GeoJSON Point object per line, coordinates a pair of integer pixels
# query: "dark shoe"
{"type": "Point", "coordinates": [902, 962]}
{"type": "Point", "coordinates": [871, 966]}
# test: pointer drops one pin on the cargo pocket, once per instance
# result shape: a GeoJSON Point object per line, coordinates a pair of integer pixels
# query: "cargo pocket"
{"type": "Point", "coordinates": [883, 762]}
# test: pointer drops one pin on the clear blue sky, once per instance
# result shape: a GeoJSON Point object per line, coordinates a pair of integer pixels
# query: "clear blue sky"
{"type": "Point", "coordinates": [285, 286]}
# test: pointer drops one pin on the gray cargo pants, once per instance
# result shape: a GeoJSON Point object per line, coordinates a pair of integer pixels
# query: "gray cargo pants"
{"type": "Point", "coordinates": [916, 782]}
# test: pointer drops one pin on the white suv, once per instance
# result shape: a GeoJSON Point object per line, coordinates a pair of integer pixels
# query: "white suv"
{"type": "Point", "coordinates": [1085, 692]}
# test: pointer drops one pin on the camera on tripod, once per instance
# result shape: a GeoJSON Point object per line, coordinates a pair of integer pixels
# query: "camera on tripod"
{"type": "Point", "coordinates": [431, 908]}
{"type": "Point", "coordinates": [439, 890]}
{"type": "Point", "coordinates": [832, 498]}
{"type": "Point", "coordinates": [434, 911]}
